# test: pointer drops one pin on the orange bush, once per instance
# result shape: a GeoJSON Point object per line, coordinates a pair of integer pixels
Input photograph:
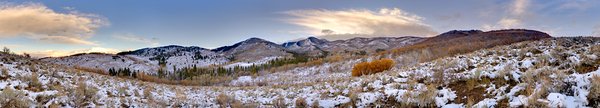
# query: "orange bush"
{"type": "Point", "coordinates": [372, 67]}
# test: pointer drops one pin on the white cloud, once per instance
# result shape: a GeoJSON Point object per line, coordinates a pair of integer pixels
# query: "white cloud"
{"type": "Point", "coordinates": [385, 22]}
{"type": "Point", "coordinates": [518, 12]}
{"type": "Point", "coordinates": [59, 53]}
{"type": "Point", "coordinates": [134, 38]}
{"type": "Point", "coordinates": [36, 21]}
{"type": "Point", "coordinates": [519, 7]}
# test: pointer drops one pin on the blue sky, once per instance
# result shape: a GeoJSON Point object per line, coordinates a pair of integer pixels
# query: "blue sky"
{"type": "Point", "coordinates": [117, 25]}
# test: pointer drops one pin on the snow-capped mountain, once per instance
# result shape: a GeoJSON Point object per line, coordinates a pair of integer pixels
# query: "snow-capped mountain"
{"type": "Point", "coordinates": [253, 49]}
{"type": "Point", "coordinates": [315, 46]}
{"type": "Point", "coordinates": [308, 46]}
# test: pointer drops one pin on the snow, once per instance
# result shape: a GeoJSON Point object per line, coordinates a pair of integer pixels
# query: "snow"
{"type": "Point", "coordinates": [368, 98]}
{"type": "Point", "coordinates": [453, 106]}
{"type": "Point", "coordinates": [242, 80]}
{"type": "Point", "coordinates": [527, 63]}
{"type": "Point", "coordinates": [486, 103]}
{"type": "Point", "coordinates": [329, 88]}
{"type": "Point", "coordinates": [556, 100]}
{"type": "Point", "coordinates": [447, 95]}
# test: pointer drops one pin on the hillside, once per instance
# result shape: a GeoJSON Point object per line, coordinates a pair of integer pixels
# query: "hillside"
{"type": "Point", "coordinates": [553, 72]}
{"type": "Point", "coordinates": [253, 51]}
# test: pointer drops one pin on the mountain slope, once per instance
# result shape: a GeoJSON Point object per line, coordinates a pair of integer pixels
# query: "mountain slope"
{"type": "Point", "coordinates": [316, 47]}
{"type": "Point", "coordinates": [253, 49]}
{"type": "Point", "coordinates": [527, 74]}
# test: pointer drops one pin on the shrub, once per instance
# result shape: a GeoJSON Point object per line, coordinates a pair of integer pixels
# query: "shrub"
{"type": "Point", "coordinates": [372, 67]}
{"type": "Point", "coordinates": [315, 104]}
{"type": "Point", "coordinates": [227, 102]}
{"type": "Point", "coordinates": [11, 98]}
{"type": "Point", "coordinates": [594, 96]}
{"type": "Point", "coordinates": [279, 102]}
{"type": "Point", "coordinates": [301, 103]}
{"type": "Point", "coordinates": [595, 87]}
{"type": "Point", "coordinates": [34, 82]}
{"type": "Point", "coordinates": [5, 72]}
{"type": "Point", "coordinates": [595, 49]}
{"type": "Point", "coordinates": [84, 94]}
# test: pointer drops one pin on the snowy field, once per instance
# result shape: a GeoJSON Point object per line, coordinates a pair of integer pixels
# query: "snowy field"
{"type": "Point", "coordinates": [536, 74]}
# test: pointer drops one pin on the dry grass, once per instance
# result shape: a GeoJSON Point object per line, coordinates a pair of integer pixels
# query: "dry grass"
{"type": "Point", "coordinates": [5, 72]}
{"type": "Point", "coordinates": [595, 49]}
{"type": "Point", "coordinates": [11, 98]}
{"type": "Point", "coordinates": [372, 67]}
{"type": "Point", "coordinates": [427, 97]}
{"type": "Point", "coordinates": [594, 95]}
{"type": "Point", "coordinates": [34, 82]}
{"type": "Point", "coordinates": [315, 104]}
{"type": "Point", "coordinates": [279, 102]}
{"type": "Point", "coordinates": [301, 103]}
{"type": "Point", "coordinates": [94, 70]}
{"type": "Point", "coordinates": [227, 102]}
{"type": "Point", "coordinates": [84, 94]}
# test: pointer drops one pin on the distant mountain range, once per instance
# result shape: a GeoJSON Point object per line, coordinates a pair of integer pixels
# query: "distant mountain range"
{"type": "Point", "coordinates": [247, 51]}
{"type": "Point", "coordinates": [257, 51]}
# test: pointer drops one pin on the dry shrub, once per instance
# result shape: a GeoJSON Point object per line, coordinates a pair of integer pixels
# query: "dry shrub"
{"type": "Point", "coordinates": [34, 82]}
{"type": "Point", "coordinates": [438, 76]}
{"type": "Point", "coordinates": [11, 98]}
{"type": "Point", "coordinates": [148, 92]}
{"type": "Point", "coordinates": [5, 72]}
{"type": "Point", "coordinates": [587, 65]}
{"type": "Point", "coordinates": [84, 94]}
{"type": "Point", "coordinates": [43, 99]}
{"type": "Point", "coordinates": [301, 103]}
{"type": "Point", "coordinates": [94, 70]}
{"type": "Point", "coordinates": [279, 102]}
{"type": "Point", "coordinates": [537, 94]}
{"type": "Point", "coordinates": [427, 97]}
{"type": "Point", "coordinates": [372, 67]}
{"type": "Point", "coordinates": [594, 95]}
{"type": "Point", "coordinates": [595, 49]}
{"type": "Point", "coordinates": [228, 102]}
{"type": "Point", "coordinates": [315, 104]}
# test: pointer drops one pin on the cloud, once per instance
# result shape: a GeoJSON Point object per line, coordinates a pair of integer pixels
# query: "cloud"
{"type": "Point", "coordinates": [517, 13]}
{"type": "Point", "coordinates": [38, 22]}
{"type": "Point", "coordinates": [60, 53]}
{"type": "Point", "coordinates": [385, 22]}
{"type": "Point", "coordinates": [64, 40]}
{"type": "Point", "coordinates": [134, 38]}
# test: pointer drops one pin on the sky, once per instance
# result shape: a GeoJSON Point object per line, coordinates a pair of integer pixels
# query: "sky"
{"type": "Point", "coordinates": [54, 28]}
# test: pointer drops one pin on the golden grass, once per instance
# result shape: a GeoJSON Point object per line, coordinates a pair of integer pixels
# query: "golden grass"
{"type": "Point", "coordinates": [372, 67]}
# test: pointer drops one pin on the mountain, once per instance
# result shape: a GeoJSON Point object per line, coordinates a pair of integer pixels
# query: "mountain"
{"type": "Point", "coordinates": [308, 46]}
{"type": "Point", "coordinates": [314, 46]}
{"type": "Point", "coordinates": [252, 49]}
{"type": "Point", "coordinates": [146, 59]}
{"type": "Point", "coordinates": [258, 51]}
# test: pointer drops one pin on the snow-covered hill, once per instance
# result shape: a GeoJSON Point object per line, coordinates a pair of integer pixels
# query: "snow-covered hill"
{"type": "Point", "coordinates": [555, 72]}
{"type": "Point", "coordinates": [253, 49]}
{"type": "Point", "coordinates": [250, 51]}
{"type": "Point", "coordinates": [147, 60]}
{"type": "Point", "coordinates": [315, 46]}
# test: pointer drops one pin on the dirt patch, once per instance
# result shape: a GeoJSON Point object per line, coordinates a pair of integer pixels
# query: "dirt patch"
{"type": "Point", "coordinates": [466, 95]}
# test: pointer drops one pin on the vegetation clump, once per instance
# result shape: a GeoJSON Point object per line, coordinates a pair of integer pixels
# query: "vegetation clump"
{"type": "Point", "coordinates": [372, 67]}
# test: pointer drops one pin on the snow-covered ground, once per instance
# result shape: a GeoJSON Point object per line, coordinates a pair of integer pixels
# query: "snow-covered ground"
{"type": "Point", "coordinates": [536, 74]}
